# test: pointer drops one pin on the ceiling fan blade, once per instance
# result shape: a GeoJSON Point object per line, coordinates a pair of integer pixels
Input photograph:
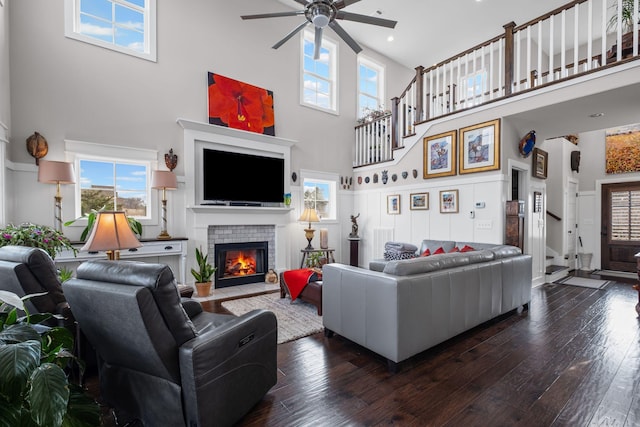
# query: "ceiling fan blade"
{"type": "Point", "coordinates": [366, 19]}
{"type": "Point", "coordinates": [302, 2]}
{"type": "Point", "coordinates": [291, 34]}
{"type": "Point", "coordinates": [273, 15]}
{"type": "Point", "coordinates": [344, 3]}
{"type": "Point", "coordinates": [317, 43]}
{"type": "Point", "coordinates": [344, 36]}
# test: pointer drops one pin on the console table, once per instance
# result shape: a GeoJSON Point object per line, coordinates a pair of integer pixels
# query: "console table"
{"type": "Point", "coordinates": [151, 248]}
{"type": "Point", "coordinates": [327, 252]}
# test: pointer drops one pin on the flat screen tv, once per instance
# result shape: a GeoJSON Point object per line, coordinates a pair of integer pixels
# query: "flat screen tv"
{"type": "Point", "coordinates": [241, 179]}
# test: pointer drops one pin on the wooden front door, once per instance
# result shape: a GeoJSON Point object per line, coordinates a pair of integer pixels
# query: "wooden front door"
{"type": "Point", "coordinates": [620, 232]}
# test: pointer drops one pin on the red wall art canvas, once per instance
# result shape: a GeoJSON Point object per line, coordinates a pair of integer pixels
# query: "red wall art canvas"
{"type": "Point", "coordinates": [240, 105]}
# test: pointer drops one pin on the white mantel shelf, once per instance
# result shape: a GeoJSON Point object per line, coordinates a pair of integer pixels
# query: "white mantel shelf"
{"type": "Point", "coordinates": [240, 209]}
{"type": "Point", "coordinates": [233, 133]}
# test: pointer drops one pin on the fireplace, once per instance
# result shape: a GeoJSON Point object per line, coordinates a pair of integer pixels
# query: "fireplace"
{"type": "Point", "coordinates": [240, 263]}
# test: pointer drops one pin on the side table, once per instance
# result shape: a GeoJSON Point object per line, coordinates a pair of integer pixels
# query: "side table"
{"type": "Point", "coordinates": [327, 252]}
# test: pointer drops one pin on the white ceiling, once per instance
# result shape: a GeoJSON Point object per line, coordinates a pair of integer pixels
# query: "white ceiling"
{"type": "Point", "coordinates": [430, 31]}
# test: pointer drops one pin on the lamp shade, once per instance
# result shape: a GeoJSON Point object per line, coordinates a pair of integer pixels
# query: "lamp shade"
{"type": "Point", "coordinates": [110, 232]}
{"type": "Point", "coordinates": [309, 215]}
{"type": "Point", "coordinates": [53, 172]}
{"type": "Point", "coordinates": [164, 180]}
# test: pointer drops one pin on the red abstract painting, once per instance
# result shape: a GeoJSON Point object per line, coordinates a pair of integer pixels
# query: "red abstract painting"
{"type": "Point", "coordinates": [240, 105]}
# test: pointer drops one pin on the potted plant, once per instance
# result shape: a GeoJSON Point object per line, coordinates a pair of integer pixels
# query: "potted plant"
{"type": "Point", "coordinates": [134, 224]}
{"type": "Point", "coordinates": [34, 388]}
{"type": "Point", "coordinates": [626, 15]}
{"type": "Point", "coordinates": [37, 236]}
{"type": "Point", "coordinates": [203, 274]}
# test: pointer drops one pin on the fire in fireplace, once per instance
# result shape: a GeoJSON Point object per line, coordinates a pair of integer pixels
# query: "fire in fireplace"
{"type": "Point", "coordinates": [240, 263]}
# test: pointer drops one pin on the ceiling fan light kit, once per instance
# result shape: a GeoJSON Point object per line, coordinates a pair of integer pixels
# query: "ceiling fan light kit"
{"type": "Point", "coordinates": [323, 13]}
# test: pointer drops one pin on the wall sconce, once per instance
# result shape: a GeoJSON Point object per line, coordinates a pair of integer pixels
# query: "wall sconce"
{"type": "Point", "coordinates": [309, 215]}
{"type": "Point", "coordinates": [52, 172]}
{"type": "Point", "coordinates": [164, 180]}
{"type": "Point", "coordinates": [111, 233]}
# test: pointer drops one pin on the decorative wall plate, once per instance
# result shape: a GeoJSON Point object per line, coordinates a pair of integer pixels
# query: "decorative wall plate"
{"type": "Point", "coordinates": [394, 177]}
{"type": "Point", "coordinates": [415, 173]}
{"type": "Point", "coordinates": [405, 174]}
{"type": "Point", "coordinates": [366, 180]}
{"type": "Point", "coordinates": [385, 177]}
{"type": "Point", "coordinates": [359, 180]}
{"type": "Point", "coordinates": [526, 143]}
{"type": "Point", "coordinates": [375, 178]}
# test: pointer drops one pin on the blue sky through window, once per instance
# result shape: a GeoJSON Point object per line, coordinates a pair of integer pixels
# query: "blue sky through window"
{"type": "Point", "coordinates": [120, 23]}
{"type": "Point", "coordinates": [127, 178]}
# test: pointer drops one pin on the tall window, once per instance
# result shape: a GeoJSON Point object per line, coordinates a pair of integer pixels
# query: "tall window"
{"type": "Point", "coordinates": [127, 26]}
{"type": "Point", "coordinates": [320, 191]}
{"type": "Point", "coordinates": [115, 186]}
{"type": "Point", "coordinates": [370, 86]}
{"type": "Point", "coordinates": [319, 77]}
{"type": "Point", "coordinates": [113, 177]}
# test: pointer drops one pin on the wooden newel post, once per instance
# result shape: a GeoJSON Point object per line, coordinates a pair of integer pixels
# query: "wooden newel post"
{"type": "Point", "coordinates": [508, 57]}
{"type": "Point", "coordinates": [419, 92]}
{"type": "Point", "coordinates": [394, 121]}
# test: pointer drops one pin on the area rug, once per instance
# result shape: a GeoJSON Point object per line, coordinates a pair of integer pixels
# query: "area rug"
{"type": "Point", "coordinates": [295, 320]}
{"type": "Point", "coordinates": [584, 282]}
{"type": "Point", "coordinates": [616, 274]}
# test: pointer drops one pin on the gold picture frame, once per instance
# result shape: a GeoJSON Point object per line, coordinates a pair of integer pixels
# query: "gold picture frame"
{"type": "Point", "coordinates": [449, 201]}
{"type": "Point", "coordinates": [439, 154]}
{"type": "Point", "coordinates": [479, 147]}
{"type": "Point", "coordinates": [540, 163]}
{"type": "Point", "coordinates": [393, 204]}
{"type": "Point", "coordinates": [419, 201]}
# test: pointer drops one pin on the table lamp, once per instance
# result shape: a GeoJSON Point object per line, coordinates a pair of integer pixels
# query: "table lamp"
{"type": "Point", "coordinates": [111, 233]}
{"type": "Point", "coordinates": [309, 215]}
{"type": "Point", "coordinates": [164, 180]}
{"type": "Point", "coordinates": [52, 172]}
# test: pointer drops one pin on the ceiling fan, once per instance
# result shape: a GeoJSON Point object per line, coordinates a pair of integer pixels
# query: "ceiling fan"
{"type": "Point", "coordinates": [323, 13]}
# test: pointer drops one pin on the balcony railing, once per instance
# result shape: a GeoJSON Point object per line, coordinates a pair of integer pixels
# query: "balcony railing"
{"type": "Point", "coordinates": [579, 38]}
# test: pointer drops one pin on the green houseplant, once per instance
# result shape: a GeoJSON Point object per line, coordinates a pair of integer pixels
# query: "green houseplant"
{"type": "Point", "coordinates": [37, 236]}
{"type": "Point", "coordinates": [626, 15]}
{"type": "Point", "coordinates": [34, 388]}
{"type": "Point", "coordinates": [203, 274]}
{"type": "Point", "coordinates": [134, 224]}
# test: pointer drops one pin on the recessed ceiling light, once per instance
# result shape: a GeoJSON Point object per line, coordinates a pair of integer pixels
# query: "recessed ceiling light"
{"type": "Point", "coordinates": [390, 39]}
{"type": "Point", "coordinates": [594, 115]}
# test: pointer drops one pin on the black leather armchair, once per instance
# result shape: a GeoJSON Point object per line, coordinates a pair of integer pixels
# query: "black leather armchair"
{"type": "Point", "coordinates": [26, 270]}
{"type": "Point", "coordinates": [163, 366]}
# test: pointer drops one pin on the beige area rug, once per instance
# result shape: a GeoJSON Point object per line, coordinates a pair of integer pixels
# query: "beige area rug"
{"type": "Point", "coordinates": [295, 320]}
{"type": "Point", "coordinates": [584, 282]}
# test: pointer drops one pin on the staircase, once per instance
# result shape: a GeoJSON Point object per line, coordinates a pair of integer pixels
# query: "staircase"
{"type": "Point", "coordinates": [553, 268]}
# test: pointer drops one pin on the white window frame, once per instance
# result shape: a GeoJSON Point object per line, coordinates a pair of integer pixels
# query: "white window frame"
{"type": "Point", "coordinates": [381, 83]}
{"type": "Point", "coordinates": [476, 98]}
{"type": "Point", "coordinates": [324, 177]}
{"type": "Point", "coordinates": [72, 30]}
{"type": "Point", "coordinates": [80, 150]}
{"type": "Point", "coordinates": [332, 47]}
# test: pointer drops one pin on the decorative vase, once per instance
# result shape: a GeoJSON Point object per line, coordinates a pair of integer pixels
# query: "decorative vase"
{"type": "Point", "coordinates": [203, 289]}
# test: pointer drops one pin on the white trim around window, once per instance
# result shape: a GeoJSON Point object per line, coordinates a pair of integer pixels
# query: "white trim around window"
{"type": "Point", "coordinates": [331, 77]}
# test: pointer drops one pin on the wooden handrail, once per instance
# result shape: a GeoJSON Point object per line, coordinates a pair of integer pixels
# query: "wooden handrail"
{"type": "Point", "coordinates": [554, 216]}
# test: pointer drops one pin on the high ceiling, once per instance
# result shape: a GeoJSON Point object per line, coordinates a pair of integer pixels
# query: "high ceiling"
{"type": "Point", "coordinates": [428, 31]}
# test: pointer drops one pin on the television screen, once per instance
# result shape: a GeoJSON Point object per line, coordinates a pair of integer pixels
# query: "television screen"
{"type": "Point", "coordinates": [241, 178]}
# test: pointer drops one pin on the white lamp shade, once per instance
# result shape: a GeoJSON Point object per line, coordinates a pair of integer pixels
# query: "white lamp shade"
{"type": "Point", "coordinates": [111, 232]}
{"type": "Point", "coordinates": [164, 180]}
{"type": "Point", "coordinates": [309, 215]}
{"type": "Point", "coordinates": [53, 172]}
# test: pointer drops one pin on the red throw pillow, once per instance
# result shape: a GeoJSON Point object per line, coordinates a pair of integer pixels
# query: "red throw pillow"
{"type": "Point", "coordinates": [440, 250]}
{"type": "Point", "coordinates": [426, 253]}
{"type": "Point", "coordinates": [467, 248]}
{"type": "Point", "coordinates": [454, 249]}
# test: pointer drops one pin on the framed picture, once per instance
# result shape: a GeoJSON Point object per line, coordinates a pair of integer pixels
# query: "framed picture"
{"type": "Point", "coordinates": [537, 202]}
{"type": "Point", "coordinates": [540, 161]}
{"type": "Point", "coordinates": [393, 204]}
{"type": "Point", "coordinates": [440, 155]}
{"type": "Point", "coordinates": [621, 144]}
{"type": "Point", "coordinates": [480, 147]}
{"type": "Point", "coordinates": [419, 201]}
{"type": "Point", "coordinates": [449, 201]}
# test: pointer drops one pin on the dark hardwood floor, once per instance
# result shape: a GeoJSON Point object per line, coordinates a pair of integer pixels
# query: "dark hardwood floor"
{"type": "Point", "coordinates": [572, 359]}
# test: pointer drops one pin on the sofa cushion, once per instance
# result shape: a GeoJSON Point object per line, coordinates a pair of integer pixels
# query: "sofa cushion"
{"type": "Point", "coordinates": [408, 267]}
{"type": "Point", "coordinates": [505, 251]}
{"type": "Point", "coordinates": [432, 245]}
{"type": "Point", "coordinates": [377, 264]}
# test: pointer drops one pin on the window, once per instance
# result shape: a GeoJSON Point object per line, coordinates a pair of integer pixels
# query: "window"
{"type": "Point", "coordinates": [319, 77]}
{"type": "Point", "coordinates": [625, 215]}
{"type": "Point", "coordinates": [319, 191]}
{"type": "Point", "coordinates": [115, 177]}
{"type": "Point", "coordinates": [127, 26]}
{"type": "Point", "coordinates": [370, 86]}
{"type": "Point", "coordinates": [473, 87]}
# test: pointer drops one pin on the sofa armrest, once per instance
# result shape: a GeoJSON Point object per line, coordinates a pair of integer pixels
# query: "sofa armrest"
{"type": "Point", "coordinates": [191, 307]}
{"type": "Point", "coordinates": [212, 365]}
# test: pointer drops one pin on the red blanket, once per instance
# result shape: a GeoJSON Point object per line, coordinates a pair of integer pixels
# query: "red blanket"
{"type": "Point", "coordinates": [296, 280]}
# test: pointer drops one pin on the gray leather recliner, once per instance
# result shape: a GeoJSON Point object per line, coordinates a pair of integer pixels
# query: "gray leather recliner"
{"type": "Point", "coordinates": [165, 364]}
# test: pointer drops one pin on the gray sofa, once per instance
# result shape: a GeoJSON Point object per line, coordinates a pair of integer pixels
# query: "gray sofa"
{"type": "Point", "coordinates": [413, 304]}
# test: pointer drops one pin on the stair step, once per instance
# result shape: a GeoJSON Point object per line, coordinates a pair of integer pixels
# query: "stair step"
{"type": "Point", "coordinates": [555, 268]}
